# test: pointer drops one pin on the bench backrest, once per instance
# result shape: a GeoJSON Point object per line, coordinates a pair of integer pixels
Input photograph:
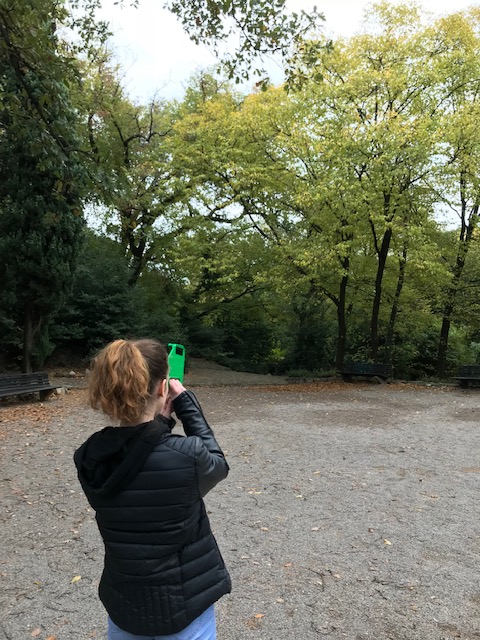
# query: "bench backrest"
{"type": "Point", "coordinates": [24, 380]}
{"type": "Point", "coordinates": [469, 370]}
{"type": "Point", "coordinates": [367, 368]}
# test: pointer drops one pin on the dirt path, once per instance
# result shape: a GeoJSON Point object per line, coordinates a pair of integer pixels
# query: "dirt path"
{"type": "Point", "coordinates": [351, 511]}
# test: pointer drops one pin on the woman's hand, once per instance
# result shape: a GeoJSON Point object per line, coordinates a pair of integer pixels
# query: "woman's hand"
{"type": "Point", "coordinates": [175, 389]}
{"type": "Point", "coordinates": [167, 408]}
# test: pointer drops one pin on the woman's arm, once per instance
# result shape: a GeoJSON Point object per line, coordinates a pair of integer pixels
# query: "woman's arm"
{"type": "Point", "coordinates": [210, 460]}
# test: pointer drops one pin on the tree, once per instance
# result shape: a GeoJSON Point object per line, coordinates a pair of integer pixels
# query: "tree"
{"type": "Point", "coordinates": [380, 96]}
{"type": "Point", "coordinates": [467, 307]}
{"type": "Point", "coordinates": [457, 45]}
{"type": "Point", "coordinates": [139, 184]}
{"type": "Point", "coordinates": [42, 178]}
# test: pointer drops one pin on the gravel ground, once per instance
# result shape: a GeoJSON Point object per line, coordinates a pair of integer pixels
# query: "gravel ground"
{"type": "Point", "coordinates": [351, 511]}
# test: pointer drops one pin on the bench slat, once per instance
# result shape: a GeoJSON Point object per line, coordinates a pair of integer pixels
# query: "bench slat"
{"type": "Point", "coordinates": [21, 390]}
{"type": "Point", "coordinates": [377, 370]}
{"type": "Point", "coordinates": [37, 375]}
{"type": "Point", "coordinates": [366, 368]}
{"type": "Point", "coordinates": [468, 373]}
{"type": "Point", "coordinates": [28, 385]}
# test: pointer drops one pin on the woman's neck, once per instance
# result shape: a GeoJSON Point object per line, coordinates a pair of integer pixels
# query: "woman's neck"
{"type": "Point", "coordinates": [152, 409]}
{"type": "Point", "coordinates": [147, 416]}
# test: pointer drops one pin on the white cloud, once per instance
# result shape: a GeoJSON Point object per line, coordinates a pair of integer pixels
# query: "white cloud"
{"type": "Point", "coordinates": [153, 49]}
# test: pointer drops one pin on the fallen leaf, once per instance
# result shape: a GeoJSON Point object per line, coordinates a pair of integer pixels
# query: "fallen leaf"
{"type": "Point", "coordinates": [36, 632]}
{"type": "Point", "coordinates": [76, 579]}
{"type": "Point", "coordinates": [259, 615]}
{"type": "Point", "coordinates": [288, 564]}
{"type": "Point", "coordinates": [52, 638]}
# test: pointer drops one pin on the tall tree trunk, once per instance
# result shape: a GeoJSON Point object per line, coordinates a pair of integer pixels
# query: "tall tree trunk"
{"type": "Point", "coordinates": [448, 311]}
{"type": "Point", "coordinates": [382, 260]}
{"type": "Point", "coordinates": [443, 342]}
{"type": "Point", "coordinates": [466, 234]}
{"type": "Point", "coordinates": [32, 325]}
{"type": "Point", "coordinates": [402, 263]}
{"type": "Point", "coordinates": [342, 321]}
{"type": "Point", "coordinates": [136, 268]}
{"type": "Point", "coordinates": [28, 336]}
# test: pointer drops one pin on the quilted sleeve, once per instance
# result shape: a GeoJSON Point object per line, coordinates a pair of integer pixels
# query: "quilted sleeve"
{"type": "Point", "coordinates": [210, 461]}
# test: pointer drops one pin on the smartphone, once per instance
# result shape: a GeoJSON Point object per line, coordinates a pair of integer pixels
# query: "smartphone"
{"type": "Point", "coordinates": [176, 360]}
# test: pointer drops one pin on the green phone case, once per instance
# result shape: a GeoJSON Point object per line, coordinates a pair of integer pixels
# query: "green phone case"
{"type": "Point", "coordinates": [176, 360]}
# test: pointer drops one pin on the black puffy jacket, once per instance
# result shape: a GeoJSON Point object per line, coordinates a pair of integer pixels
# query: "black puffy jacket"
{"type": "Point", "coordinates": [163, 567]}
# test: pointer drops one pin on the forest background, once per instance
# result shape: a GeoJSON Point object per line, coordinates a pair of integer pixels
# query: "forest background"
{"type": "Point", "coordinates": [286, 229]}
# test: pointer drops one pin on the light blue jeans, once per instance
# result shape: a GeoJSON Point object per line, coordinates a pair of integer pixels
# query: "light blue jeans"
{"type": "Point", "coordinates": [202, 628]}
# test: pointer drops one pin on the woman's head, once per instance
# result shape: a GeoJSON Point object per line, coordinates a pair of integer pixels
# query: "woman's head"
{"type": "Point", "coordinates": [125, 376]}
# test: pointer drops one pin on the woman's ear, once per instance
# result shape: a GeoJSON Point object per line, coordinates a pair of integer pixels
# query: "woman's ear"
{"type": "Point", "coordinates": [163, 387]}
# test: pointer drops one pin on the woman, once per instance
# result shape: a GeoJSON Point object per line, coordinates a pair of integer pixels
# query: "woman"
{"type": "Point", "coordinates": [163, 570]}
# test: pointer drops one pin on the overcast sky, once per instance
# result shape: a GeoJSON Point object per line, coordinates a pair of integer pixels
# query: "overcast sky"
{"type": "Point", "coordinates": [157, 56]}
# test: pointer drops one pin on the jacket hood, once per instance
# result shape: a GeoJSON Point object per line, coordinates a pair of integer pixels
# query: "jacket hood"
{"type": "Point", "coordinates": [109, 460]}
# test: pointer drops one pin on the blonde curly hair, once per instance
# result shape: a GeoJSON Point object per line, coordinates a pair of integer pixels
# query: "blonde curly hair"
{"type": "Point", "coordinates": [124, 375]}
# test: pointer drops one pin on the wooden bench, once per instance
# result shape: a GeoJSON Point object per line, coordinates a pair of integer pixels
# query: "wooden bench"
{"type": "Point", "coordinates": [16, 384]}
{"type": "Point", "coordinates": [379, 371]}
{"type": "Point", "coordinates": [468, 373]}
